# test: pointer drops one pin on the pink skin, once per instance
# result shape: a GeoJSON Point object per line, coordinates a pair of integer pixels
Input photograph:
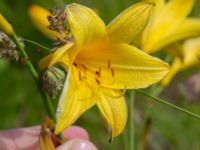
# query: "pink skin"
{"type": "Point", "coordinates": [27, 139]}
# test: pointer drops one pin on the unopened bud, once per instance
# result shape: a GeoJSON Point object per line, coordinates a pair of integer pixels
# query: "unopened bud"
{"type": "Point", "coordinates": [7, 48]}
{"type": "Point", "coordinates": [5, 25]}
{"type": "Point", "coordinates": [52, 79]}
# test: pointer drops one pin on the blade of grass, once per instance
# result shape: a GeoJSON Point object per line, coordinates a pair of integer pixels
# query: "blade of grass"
{"type": "Point", "coordinates": [169, 104]}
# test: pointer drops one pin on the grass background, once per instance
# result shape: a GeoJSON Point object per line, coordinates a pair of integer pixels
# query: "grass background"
{"type": "Point", "coordinates": [21, 104]}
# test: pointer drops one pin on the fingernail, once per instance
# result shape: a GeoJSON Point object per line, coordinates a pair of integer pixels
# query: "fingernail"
{"type": "Point", "coordinates": [77, 144]}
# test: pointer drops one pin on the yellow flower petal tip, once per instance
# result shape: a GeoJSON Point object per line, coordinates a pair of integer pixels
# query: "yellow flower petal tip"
{"type": "Point", "coordinates": [130, 23]}
{"type": "Point", "coordinates": [5, 26]}
{"type": "Point", "coordinates": [168, 24]}
{"type": "Point", "coordinates": [100, 65]}
{"type": "Point", "coordinates": [38, 15]}
{"type": "Point", "coordinates": [175, 68]}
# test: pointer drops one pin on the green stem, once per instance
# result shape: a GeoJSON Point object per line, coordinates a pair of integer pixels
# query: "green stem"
{"type": "Point", "coordinates": [37, 44]}
{"type": "Point", "coordinates": [131, 100]}
{"type": "Point", "coordinates": [169, 104]}
{"type": "Point", "coordinates": [124, 140]}
{"type": "Point", "coordinates": [46, 99]}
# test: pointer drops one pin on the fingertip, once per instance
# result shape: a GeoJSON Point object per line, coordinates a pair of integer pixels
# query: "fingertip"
{"type": "Point", "coordinates": [77, 144]}
{"type": "Point", "coordinates": [75, 132]}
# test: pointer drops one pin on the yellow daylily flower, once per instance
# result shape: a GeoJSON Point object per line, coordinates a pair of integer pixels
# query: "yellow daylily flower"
{"type": "Point", "coordinates": [38, 15]}
{"type": "Point", "coordinates": [5, 25]}
{"type": "Point", "coordinates": [168, 24]}
{"type": "Point", "coordinates": [186, 55]}
{"type": "Point", "coordinates": [101, 65]}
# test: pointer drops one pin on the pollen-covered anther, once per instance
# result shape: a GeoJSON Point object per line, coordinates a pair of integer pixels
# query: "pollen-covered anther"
{"type": "Point", "coordinates": [79, 76]}
{"type": "Point", "coordinates": [98, 72]}
{"type": "Point", "coordinates": [75, 64]}
{"type": "Point", "coordinates": [83, 67]}
{"type": "Point", "coordinates": [109, 63]}
{"type": "Point", "coordinates": [112, 72]}
{"type": "Point", "coordinates": [98, 82]}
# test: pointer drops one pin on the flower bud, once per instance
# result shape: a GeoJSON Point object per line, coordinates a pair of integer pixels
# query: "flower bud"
{"type": "Point", "coordinates": [7, 48]}
{"type": "Point", "coordinates": [53, 79]}
{"type": "Point", "coordinates": [5, 25]}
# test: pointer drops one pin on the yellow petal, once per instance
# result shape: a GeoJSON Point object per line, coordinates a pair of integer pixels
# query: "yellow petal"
{"type": "Point", "coordinates": [5, 25]}
{"type": "Point", "coordinates": [85, 25]}
{"type": "Point", "coordinates": [191, 52]}
{"type": "Point", "coordinates": [38, 16]}
{"type": "Point", "coordinates": [127, 26]}
{"type": "Point", "coordinates": [122, 66]}
{"type": "Point", "coordinates": [114, 110]}
{"type": "Point", "coordinates": [59, 56]}
{"type": "Point", "coordinates": [75, 99]}
{"type": "Point", "coordinates": [189, 28]}
{"type": "Point", "coordinates": [175, 50]}
{"type": "Point", "coordinates": [159, 5]}
{"type": "Point", "coordinates": [44, 62]}
{"type": "Point", "coordinates": [166, 23]}
{"type": "Point", "coordinates": [175, 68]}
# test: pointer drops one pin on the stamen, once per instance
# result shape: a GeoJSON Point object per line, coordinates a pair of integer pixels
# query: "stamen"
{"type": "Point", "coordinates": [84, 67]}
{"type": "Point", "coordinates": [75, 64]}
{"type": "Point", "coordinates": [79, 76]}
{"type": "Point", "coordinates": [98, 82]}
{"type": "Point", "coordinates": [112, 72]}
{"type": "Point", "coordinates": [109, 64]}
{"type": "Point", "coordinates": [98, 73]}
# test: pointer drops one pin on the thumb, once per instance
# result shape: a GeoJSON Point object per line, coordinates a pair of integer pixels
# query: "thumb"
{"type": "Point", "coordinates": [77, 144]}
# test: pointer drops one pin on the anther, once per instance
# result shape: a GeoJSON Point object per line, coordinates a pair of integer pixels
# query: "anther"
{"type": "Point", "coordinates": [84, 67]}
{"type": "Point", "coordinates": [112, 72]}
{"type": "Point", "coordinates": [98, 82]}
{"type": "Point", "coordinates": [98, 73]}
{"type": "Point", "coordinates": [79, 76]}
{"type": "Point", "coordinates": [109, 64]}
{"type": "Point", "coordinates": [75, 64]}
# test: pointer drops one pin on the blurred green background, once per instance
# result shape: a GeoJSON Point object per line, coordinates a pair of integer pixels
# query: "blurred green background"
{"type": "Point", "coordinates": [21, 104]}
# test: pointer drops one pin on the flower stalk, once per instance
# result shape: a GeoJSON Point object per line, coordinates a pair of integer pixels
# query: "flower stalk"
{"type": "Point", "coordinates": [46, 99]}
{"type": "Point", "coordinates": [131, 100]}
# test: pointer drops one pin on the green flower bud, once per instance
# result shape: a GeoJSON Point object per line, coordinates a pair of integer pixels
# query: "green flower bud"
{"type": "Point", "coordinates": [52, 81]}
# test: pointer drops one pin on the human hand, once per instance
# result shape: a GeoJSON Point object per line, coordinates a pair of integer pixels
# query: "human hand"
{"type": "Point", "coordinates": [28, 139]}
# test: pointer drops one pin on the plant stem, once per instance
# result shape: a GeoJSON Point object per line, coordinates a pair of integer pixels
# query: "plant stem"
{"type": "Point", "coordinates": [169, 104]}
{"type": "Point", "coordinates": [131, 100]}
{"type": "Point", "coordinates": [124, 140]}
{"type": "Point", "coordinates": [46, 99]}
